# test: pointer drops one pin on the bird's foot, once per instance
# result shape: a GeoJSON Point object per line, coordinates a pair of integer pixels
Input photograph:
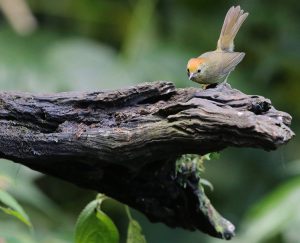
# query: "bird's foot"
{"type": "Point", "coordinates": [208, 86]}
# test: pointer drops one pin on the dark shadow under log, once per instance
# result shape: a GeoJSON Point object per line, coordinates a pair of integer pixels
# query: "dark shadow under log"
{"type": "Point", "coordinates": [124, 143]}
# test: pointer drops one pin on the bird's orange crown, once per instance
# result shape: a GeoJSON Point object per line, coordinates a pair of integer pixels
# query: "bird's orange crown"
{"type": "Point", "coordinates": [194, 63]}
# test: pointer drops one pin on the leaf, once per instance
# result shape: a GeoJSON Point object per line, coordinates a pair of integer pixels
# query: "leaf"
{"type": "Point", "coordinates": [5, 182]}
{"type": "Point", "coordinates": [134, 234]}
{"type": "Point", "coordinates": [273, 214]}
{"type": "Point", "coordinates": [94, 226]}
{"type": "Point", "coordinates": [214, 156]}
{"type": "Point", "coordinates": [13, 208]}
{"type": "Point", "coordinates": [207, 183]}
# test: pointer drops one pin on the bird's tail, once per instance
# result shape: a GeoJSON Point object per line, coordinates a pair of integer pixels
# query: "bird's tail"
{"type": "Point", "coordinates": [232, 23]}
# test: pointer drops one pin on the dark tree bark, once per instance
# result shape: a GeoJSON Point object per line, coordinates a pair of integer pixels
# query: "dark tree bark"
{"type": "Point", "coordinates": [125, 143]}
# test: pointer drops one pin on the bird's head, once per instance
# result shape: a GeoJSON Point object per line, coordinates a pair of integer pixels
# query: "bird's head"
{"type": "Point", "coordinates": [195, 68]}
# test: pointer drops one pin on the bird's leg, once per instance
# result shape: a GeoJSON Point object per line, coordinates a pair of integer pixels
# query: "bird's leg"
{"type": "Point", "coordinates": [209, 86]}
{"type": "Point", "coordinates": [204, 86]}
{"type": "Point", "coordinates": [225, 81]}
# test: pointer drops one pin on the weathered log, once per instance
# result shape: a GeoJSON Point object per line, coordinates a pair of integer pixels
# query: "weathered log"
{"type": "Point", "coordinates": [124, 143]}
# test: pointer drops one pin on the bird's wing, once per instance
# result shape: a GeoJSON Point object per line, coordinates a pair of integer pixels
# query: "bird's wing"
{"type": "Point", "coordinates": [230, 61]}
{"type": "Point", "coordinates": [222, 63]}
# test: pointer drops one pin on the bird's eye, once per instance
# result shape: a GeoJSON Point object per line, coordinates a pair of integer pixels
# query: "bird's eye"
{"type": "Point", "coordinates": [199, 70]}
{"type": "Point", "coordinates": [188, 71]}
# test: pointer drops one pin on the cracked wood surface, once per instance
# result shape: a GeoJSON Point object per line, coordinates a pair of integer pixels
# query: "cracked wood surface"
{"type": "Point", "coordinates": [124, 143]}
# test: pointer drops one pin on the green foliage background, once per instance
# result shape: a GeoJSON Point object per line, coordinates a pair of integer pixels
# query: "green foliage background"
{"type": "Point", "coordinates": [105, 44]}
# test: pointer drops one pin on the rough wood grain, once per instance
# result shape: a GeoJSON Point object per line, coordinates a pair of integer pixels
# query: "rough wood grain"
{"type": "Point", "coordinates": [124, 143]}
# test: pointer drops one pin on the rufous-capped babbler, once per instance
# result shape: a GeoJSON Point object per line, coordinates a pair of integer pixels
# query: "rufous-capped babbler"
{"type": "Point", "coordinates": [215, 66]}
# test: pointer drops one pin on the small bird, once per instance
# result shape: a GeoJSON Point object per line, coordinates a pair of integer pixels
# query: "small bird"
{"type": "Point", "coordinates": [215, 66]}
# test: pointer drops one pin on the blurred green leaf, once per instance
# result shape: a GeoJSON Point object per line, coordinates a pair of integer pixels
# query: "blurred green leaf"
{"type": "Point", "coordinates": [94, 226]}
{"type": "Point", "coordinates": [10, 233]}
{"type": "Point", "coordinates": [19, 181]}
{"type": "Point", "coordinates": [13, 208]}
{"type": "Point", "coordinates": [5, 182]}
{"type": "Point", "coordinates": [293, 167]}
{"type": "Point", "coordinates": [272, 214]}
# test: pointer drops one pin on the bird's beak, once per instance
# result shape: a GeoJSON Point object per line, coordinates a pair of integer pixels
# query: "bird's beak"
{"type": "Point", "coordinates": [191, 76]}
